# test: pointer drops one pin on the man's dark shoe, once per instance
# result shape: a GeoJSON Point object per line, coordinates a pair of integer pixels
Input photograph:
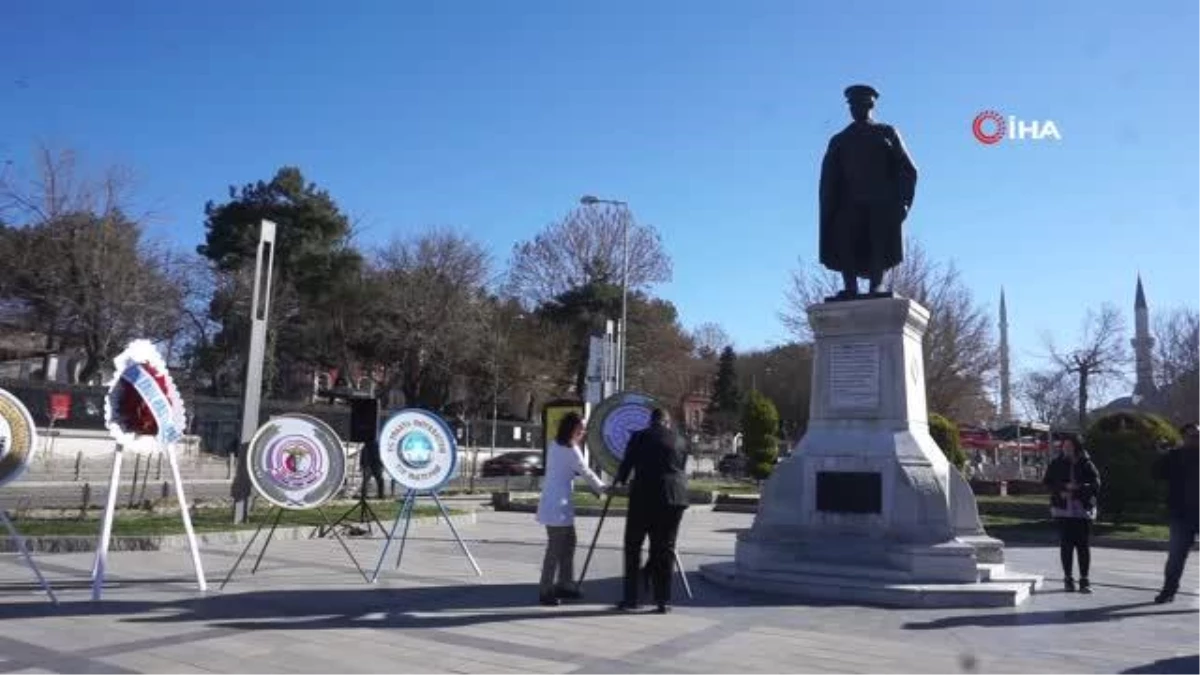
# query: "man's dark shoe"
{"type": "Point", "coordinates": [568, 593]}
{"type": "Point", "coordinates": [624, 606]}
{"type": "Point", "coordinates": [1164, 597]}
{"type": "Point", "coordinates": [1069, 585]}
{"type": "Point", "coordinates": [1085, 586]}
{"type": "Point", "coordinates": [548, 600]}
{"type": "Point", "coordinates": [663, 609]}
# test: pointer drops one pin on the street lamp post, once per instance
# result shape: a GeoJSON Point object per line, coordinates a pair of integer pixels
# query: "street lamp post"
{"type": "Point", "coordinates": [589, 200]}
{"type": "Point", "coordinates": [495, 398]}
{"type": "Point", "coordinates": [495, 394]}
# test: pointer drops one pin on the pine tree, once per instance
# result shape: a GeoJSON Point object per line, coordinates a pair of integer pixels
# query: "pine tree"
{"type": "Point", "coordinates": [726, 402]}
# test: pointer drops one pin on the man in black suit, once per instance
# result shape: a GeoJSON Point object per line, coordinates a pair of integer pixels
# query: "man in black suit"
{"type": "Point", "coordinates": [1180, 467]}
{"type": "Point", "coordinates": [657, 499]}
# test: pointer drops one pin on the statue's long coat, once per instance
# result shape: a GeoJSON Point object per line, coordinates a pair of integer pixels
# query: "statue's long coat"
{"type": "Point", "coordinates": [867, 185]}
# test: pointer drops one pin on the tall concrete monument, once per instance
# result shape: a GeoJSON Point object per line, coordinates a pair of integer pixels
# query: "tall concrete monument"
{"type": "Point", "coordinates": [867, 508]}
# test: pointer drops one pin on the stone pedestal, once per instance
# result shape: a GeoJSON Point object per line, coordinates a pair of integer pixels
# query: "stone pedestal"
{"type": "Point", "coordinates": [867, 508]}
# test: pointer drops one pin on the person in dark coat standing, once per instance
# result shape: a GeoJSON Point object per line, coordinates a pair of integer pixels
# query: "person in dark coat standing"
{"type": "Point", "coordinates": [868, 181]}
{"type": "Point", "coordinates": [1074, 483]}
{"type": "Point", "coordinates": [657, 500]}
{"type": "Point", "coordinates": [1180, 467]}
{"type": "Point", "coordinates": [372, 467]}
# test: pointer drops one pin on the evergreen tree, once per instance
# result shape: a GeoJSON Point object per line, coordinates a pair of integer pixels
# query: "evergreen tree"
{"type": "Point", "coordinates": [760, 428]}
{"type": "Point", "coordinates": [726, 399]}
{"type": "Point", "coordinates": [317, 276]}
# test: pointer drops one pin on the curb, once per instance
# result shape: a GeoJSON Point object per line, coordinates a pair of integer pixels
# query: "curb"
{"type": "Point", "coordinates": [1097, 542]}
{"type": "Point", "coordinates": [85, 544]}
{"type": "Point", "coordinates": [734, 507]}
{"type": "Point", "coordinates": [594, 511]}
{"type": "Point", "coordinates": [525, 507]}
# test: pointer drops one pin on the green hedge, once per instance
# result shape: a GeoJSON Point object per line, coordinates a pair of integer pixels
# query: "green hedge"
{"type": "Point", "coordinates": [1124, 447]}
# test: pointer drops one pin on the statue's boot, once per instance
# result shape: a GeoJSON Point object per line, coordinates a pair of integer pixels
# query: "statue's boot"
{"type": "Point", "coordinates": [877, 284]}
{"type": "Point", "coordinates": [850, 286]}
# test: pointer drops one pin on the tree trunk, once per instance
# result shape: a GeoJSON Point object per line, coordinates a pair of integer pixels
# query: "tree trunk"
{"type": "Point", "coordinates": [90, 367]}
{"type": "Point", "coordinates": [1083, 399]}
{"type": "Point", "coordinates": [581, 379]}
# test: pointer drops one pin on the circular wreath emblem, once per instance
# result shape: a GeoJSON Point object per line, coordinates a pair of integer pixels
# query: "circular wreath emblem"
{"type": "Point", "coordinates": [613, 423]}
{"type": "Point", "coordinates": [297, 461]}
{"type": "Point", "coordinates": [143, 408]}
{"type": "Point", "coordinates": [18, 437]}
{"type": "Point", "coordinates": [418, 450]}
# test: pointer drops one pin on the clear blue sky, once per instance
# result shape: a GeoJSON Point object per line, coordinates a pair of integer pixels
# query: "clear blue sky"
{"type": "Point", "coordinates": [708, 117]}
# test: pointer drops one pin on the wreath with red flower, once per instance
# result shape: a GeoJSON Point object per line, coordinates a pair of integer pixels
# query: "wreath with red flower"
{"type": "Point", "coordinates": [126, 413]}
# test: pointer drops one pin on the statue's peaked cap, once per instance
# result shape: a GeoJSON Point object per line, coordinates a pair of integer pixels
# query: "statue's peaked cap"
{"type": "Point", "coordinates": [855, 91]}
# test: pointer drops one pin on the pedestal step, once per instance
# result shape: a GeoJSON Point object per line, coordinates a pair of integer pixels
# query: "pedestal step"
{"type": "Point", "coordinates": [998, 573]}
{"type": "Point", "coordinates": [819, 569]}
{"type": "Point", "coordinates": [1002, 589]}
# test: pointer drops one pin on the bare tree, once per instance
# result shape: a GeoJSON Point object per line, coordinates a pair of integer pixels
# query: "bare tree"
{"type": "Point", "coordinates": [586, 246]}
{"type": "Point", "coordinates": [215, 323]}
{"type": "Point", "coordinates": [526, 353]}
{"type": "Point", "coordinates": [1177, 363]}
{"type": "Point", "coordinates": [959, 348]}
{"type": "Point", "coordinates": [59, 186]}
{"type": "Point", "coordinates": [1100, 356]}
{"type": "Point", "coordinates": [660, 351]}
{"type": "Point", "coordinates": [433, 314]}
{"type": "Point", "coordinates": [784, 375]}
{"type": "Point", "coordinates": [1049, 396]}
{"type": "Point", "coordinates": [81, 265]}
{"type": "Point", "coordinates": [710, 338]}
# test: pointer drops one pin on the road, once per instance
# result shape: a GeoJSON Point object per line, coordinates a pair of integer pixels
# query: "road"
{"type": "Point", "coordinates": [71, 494]}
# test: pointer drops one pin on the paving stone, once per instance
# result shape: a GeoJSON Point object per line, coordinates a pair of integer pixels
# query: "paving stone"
{"type": "Point", "coordinates": [307, 610]}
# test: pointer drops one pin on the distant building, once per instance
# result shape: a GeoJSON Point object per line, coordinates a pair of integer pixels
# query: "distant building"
{"type": "Point", "coordinates": [27, 354]}
{"type": "Point", "coordinates": [694, 407]}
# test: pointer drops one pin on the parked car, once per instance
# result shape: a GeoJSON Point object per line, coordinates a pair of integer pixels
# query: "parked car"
{"type": "Point", "coordinates": [732, 464]}
{"type": "Point", "coordinates": [521, 463]}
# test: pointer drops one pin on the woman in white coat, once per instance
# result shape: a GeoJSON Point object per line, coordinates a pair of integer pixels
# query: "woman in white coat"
{"type": "Point", "coordinates": [556, 510]}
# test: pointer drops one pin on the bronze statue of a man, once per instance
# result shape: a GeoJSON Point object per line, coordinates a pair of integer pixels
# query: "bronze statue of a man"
{"type": "Point", "coordinates": [867, 187]}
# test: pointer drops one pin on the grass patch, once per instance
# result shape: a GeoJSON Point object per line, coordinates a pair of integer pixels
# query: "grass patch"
{"type": "Point", "coordinates": [588, 499]}
{"type": "Point", "coordinates": [1019, 517]}
{"type": "Point", "coordinates": [1028, 516]}
{"type": "Point", "coordinates": [129, 523]}
{"type": "Point", "coordinates": [728, 487]}
{"type": "Point", "coordinates": [583, 500]}
{"type": "Point", "coordinates": [1006, 528]}
{"type": "Point", "coordinates": [1024, 507]}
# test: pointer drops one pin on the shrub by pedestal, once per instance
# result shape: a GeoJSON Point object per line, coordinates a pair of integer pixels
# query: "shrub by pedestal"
{"type": "Point", "coordinates": [945, 434]}
{"type": "Point", "coordinates": [1124, 446]}
{"type": "Point", "coordinates": [760, 423]}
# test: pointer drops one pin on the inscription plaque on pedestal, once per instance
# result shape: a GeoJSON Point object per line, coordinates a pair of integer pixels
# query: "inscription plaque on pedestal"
{"type": "Point", "coordinates": [849, 491]}
{"type": "Point", "coordinates": [854, 375]}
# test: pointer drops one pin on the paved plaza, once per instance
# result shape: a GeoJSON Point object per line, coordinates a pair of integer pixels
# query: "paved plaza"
{"type": "Point", "coordinates": [306, 610]}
